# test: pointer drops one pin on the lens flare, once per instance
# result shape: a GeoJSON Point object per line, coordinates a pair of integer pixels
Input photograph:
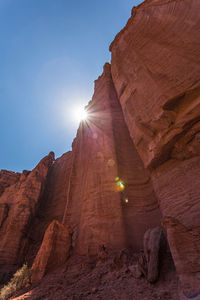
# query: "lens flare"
{"type": "Point", "coordinates": [120, 185]}
{"type": "Point", "coordinates": [80, 114]}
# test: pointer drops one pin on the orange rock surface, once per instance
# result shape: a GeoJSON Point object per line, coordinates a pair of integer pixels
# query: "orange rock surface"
{"type": "Point", "coordinates": [155, 67]}
{"type": "Point", "coordinates": [7, 178]}
{"type": "Point", "coordinates": [18, 205]}
{"type": "Point", "coordinates": [105, 152]}
{"type": "Point", "coordinates": [53, 252]}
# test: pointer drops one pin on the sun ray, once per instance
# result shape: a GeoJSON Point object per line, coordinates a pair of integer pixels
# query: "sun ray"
{"type": "Point", "coordinates": [80, 114]}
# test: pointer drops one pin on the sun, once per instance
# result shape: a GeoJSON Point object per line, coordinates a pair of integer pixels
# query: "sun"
{"type": "Point", "coordinates": [80, 114]}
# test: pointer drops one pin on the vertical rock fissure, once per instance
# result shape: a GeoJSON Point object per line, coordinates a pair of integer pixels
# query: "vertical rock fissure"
{"type": "Point", "coordinates": [68, 188]}
{"type": "Point", "coordinates": [141, 211]}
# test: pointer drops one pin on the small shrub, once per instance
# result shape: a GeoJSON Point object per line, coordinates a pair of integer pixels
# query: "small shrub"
{"type": "Point", "coordinates": [18, 281]}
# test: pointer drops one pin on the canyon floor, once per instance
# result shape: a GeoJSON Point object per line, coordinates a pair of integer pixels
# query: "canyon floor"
{"type": "Point", "coordinates": [111, 279]}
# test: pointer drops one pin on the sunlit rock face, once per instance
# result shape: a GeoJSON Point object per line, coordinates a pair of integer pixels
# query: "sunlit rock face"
{"type": "Point", "coordinates": [52, 203]}
{"type": "Point", "coordinates": [53, 252]}
{"type": "Point", "coordinates": [103, 155]}
{"type": "Point", "coordinates": [100, 189]}
{"type": "Point", "coordinates": [136, 154]}
{"type": "Point", "coordinates": [7, 178]}
{"type": "Point", "coordinates": [18, 205]}
{"type": "Point", "coordinates": [155, 68]}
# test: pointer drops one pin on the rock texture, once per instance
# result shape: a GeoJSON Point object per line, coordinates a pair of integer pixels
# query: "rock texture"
{"type": "Point", "coordinates": [7, 178]}
{"type": "Point", "coordinates": [54, 250]}
{"type": "Point", "coordinates": [18, 205]}
{"type": "Point", "coordinates": [51, 205]}
{"type": "Point", "coordinates": [105, 280]}
{"type": "Point", "coordinates": [81, 189]}
{"type": "Point", "coordinates": [185, 246]}
{"type": "Point", "coordinates": [177, 186]}
{"type": "Point", "coordinates": [149, 262]}
{"type": "Point", "coordinates": [105, 152]}
{"type": "Point", "coordinates": [156, 71]}
{"type": "Point", "coordinates": [135, 157]}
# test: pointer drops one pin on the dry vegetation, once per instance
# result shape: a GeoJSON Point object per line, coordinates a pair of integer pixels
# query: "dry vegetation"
{"type": "Point", "coordinates": [18, 281]}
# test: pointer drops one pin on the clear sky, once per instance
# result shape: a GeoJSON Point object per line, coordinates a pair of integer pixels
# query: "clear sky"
{"type": "Point", "coordinates": [51, 51]}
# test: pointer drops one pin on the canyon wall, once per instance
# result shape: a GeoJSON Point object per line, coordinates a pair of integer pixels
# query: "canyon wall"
{"type": "Point", "coordinates": [106, 155]}
{"type": "Point", "coordinates": [19, 203]}
{"type": "Point", "coordinates": [156, 71]}
{"type": "Point", "coordinates": [100, 190]}
{"type": "Point", "coordinates": [135, 157]}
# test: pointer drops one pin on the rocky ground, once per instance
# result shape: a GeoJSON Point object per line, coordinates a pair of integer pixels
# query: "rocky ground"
{"type": "Point", "coordinates": [110, 279]}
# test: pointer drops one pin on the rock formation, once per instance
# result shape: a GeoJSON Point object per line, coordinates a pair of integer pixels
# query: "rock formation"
{"type": "Point", "coordinates": [149, 262]}
{"type": "Point", "coordinates": [156, 71]}
{"type": "Point", "coordinates": [54, 251]}
{"type": "Point", "coordinates": [7, 178]}
{"type": "Point", "coordinates": [18, 205]}
{"type": "Point", "coordinates": [135, 157]}
{"type": "Point", "coordinates": [103, 144]}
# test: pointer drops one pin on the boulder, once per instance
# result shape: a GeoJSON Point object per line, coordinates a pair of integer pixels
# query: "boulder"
{"type": "Point", "coordinates": [54, 250]}
{"type": "Point", "coordinates": [153, 239]}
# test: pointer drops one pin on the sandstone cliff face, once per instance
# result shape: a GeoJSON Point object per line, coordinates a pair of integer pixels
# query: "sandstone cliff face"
{"type": "Point", "coordinates": [105, 152]}
{"type": "Point", "coordinates": [136, 155]}
{"type": "Point", "coordinates": [81, 189]}
{"type": "Point", "coordinates": [7, 178]}
{"type": "Point", "coordinates": [156, 71]}
{"type": "Point", "coordinates": [51, 205]}
{"type": "Point", "coordinates": [18, 206]}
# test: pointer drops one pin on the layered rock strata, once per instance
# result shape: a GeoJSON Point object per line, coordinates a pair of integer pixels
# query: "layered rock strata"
{"type": "Point", "coordinates": [149, 262]}
{"type": "Point", "coordinates": [18, 205]}
{"type": "Point", "coordinates": [83, 189]}
{"type": "Point", "coordinates": [51, 205]}
{"type": "Point", "coordinates": [155, 67]}
{"type": "Point", "coordinates": [108, 216]}
{"type": "Point", "coordinates": [136, 155]}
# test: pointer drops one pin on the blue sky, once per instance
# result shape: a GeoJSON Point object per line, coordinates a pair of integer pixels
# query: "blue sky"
{"type": "Point", "coordinates": [51, 51]}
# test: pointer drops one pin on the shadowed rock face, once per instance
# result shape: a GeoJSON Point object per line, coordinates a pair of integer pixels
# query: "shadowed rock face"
{"type": "Point", "coordinates": [156, 72]}
{"type": "Point", "coordinates": [177, 186]}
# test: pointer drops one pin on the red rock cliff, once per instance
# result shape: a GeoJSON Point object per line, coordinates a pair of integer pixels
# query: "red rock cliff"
{"type": "Point", "coordinates": [136, 155]}
{"type": "Point", "coordinates": [156, 71]}
{"type": "Point", "coordinates": [19, 202]}
{"type": "Point", "coordinates": [104, 151]}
